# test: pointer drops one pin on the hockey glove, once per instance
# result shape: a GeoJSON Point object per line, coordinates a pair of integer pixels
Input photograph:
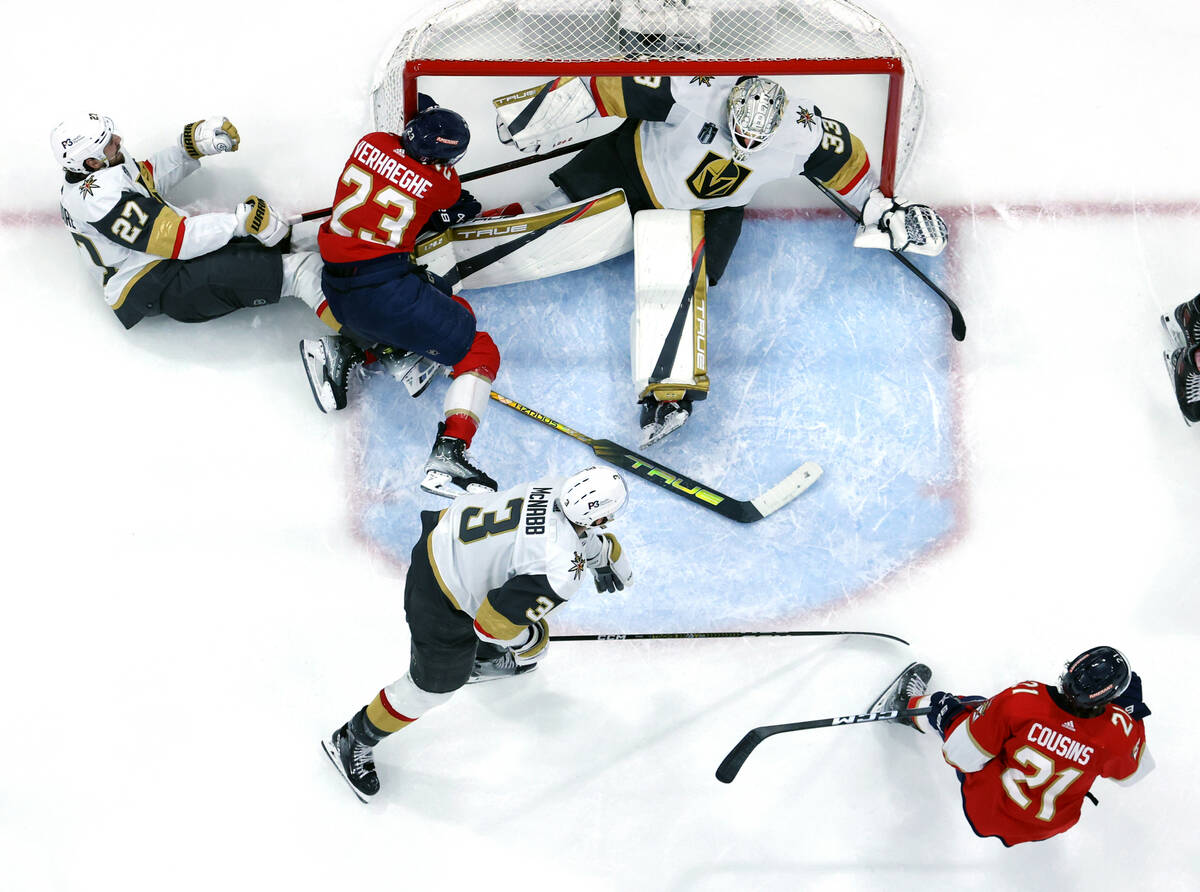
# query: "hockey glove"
{"type": "Point", "coordinates": [535, 646]}
{"type": "Point", "coordinates": [208, 137]}
{"type": "Point", "coordinates": [894, 225]}
{"type": "Point", "coordinates": [609, 563]}
{"type": "Point", "coordinates": [545, 117]}
{"type": "Point", "coordinates": [257, 218]}
{"type": "Point", "coordinates": [1131, 700]}
{"type": "Point", "coordinates": [945, 708]}
{"type": "Point", "coordinates": [466, 208]}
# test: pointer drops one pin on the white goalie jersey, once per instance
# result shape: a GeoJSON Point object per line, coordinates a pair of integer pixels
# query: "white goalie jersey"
{"type": "Point", "coordinates": [688, 159]}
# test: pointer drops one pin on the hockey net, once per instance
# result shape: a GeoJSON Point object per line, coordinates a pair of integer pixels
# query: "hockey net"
{"type": "Point", "coordinates": [846, 60]}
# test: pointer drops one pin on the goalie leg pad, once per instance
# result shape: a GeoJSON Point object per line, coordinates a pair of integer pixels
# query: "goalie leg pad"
{"type": "Point", "coordinates": [669, 338]}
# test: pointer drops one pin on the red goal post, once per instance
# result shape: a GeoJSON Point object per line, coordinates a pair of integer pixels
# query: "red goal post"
{"type": "Point", "coordinates": [847, 62]}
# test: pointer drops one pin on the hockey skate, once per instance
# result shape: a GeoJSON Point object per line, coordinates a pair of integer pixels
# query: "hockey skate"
{"type": "Point", "coordinates": [354, 761]}
{"type": "Point", "coordinates": [413, 370]}
{"type": "Point", "coordinates": [1187, 317]}
{"type": "Point", "coordinates": [660, 419]}
{"type": "Point", "coordinates": [449, 471]}
{"type": "Point", "coordinates": [910, 683]}
{"type": "Point", "coordinates": [1180, 360]}
{"type": "Point", "coordinates": [501, 665]}
{"type": "Point", "coordinates": [328, 362]}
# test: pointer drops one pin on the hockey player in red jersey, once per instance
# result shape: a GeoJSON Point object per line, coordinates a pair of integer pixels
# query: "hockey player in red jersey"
{"type": "Point", "coordinates": [393, 188]}
{"type": "Point", "coordinates": [1027, 756]}
{"type": "Point", "coordinates": [484, 574]}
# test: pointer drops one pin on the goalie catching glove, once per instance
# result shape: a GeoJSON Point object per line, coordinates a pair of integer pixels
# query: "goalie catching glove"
{"type": "Point", "coordinates": [257, 218]}
{"type": "Point", "coordinates": [545, 117]}
{"type": "Point", "coordinates": [894, 225]}
{"type": "Point", "coordinates": [208, 137]}
{"type": "Point", "coordinates": [609, 563]}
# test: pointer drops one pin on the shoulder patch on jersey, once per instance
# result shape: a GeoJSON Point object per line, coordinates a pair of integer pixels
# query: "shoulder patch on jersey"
{"type": "Point", "coordinates": [805, 117]}
{"type": "Point", "coordinates": [704, 80]}
{"type": "Point", "coordinates": [707, 133]}
{"type": "Point", "coordinates": [982, 708]}
{"type": "Point", "coordinates": [577, 565]}
{"type": "Point", "coordinates": [89, 186]}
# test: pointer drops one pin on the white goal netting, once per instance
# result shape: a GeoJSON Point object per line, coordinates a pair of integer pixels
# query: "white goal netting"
{"type": "Point", "coordinates": [646, 31]}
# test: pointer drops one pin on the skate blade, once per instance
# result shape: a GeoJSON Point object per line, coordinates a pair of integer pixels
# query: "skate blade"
{"type": "Point", "coordinates": [314, 368]}
{"type": "Point", "coordinates": [337, 763]}
{"type": "Point", "coordinates": [524, 670]}
{"type": "Point", "coordinates": [662, 431]}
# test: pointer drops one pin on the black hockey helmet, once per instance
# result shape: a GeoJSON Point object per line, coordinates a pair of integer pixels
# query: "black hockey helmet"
{"type": "Point", "coordinates": [436, 136]}
{"type": "Point", "coordinates": [1095, 677]}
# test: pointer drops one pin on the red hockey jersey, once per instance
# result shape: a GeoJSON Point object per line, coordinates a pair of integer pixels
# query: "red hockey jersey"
{"type": "Point", "coordinates": [383, 199]}
{"type": "Point", "coordinates": [1028, 763]}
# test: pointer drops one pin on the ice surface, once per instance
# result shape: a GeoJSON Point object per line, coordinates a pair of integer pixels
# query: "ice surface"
{"type": "Point", "coordinates": [202, 573]}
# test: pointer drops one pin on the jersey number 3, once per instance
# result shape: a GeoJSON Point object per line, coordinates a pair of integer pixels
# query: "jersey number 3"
{"type": "Point", "coordinates": [393, 223]}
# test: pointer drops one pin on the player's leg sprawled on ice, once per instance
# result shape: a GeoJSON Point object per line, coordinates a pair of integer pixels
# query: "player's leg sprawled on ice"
{"type": "Point", "coordinates": [703, 144]}
{"type": "Point", "coordinates": [393, 309]}
{"type": "Point", "coordinates": [476, 600]}
{"type": "Point", "coordinates": [1027, 757]}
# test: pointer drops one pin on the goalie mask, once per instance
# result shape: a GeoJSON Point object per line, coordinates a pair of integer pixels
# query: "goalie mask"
{"type": "Point", "coordinates": [756, 107]}
{"type": "Point", "coordinates": [592, 497]}
{"type": "Point", "coordinates": [81, 138]}
{"type": "Point", "coordinates": [436, 136]}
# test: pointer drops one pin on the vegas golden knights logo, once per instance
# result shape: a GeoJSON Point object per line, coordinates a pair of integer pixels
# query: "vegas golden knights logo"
{"type": "Point", "coordinates": [716, 177]}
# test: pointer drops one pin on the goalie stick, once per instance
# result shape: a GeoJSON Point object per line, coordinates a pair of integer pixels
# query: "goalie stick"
{"type": "Point", "coordinates": [646, 636]}
{"type": "Point", "coordinates": [701, 494]}
{"type": "Point", "coordinates": [477, 174]}
{"type": "Point", "coordinates": [958, 325]}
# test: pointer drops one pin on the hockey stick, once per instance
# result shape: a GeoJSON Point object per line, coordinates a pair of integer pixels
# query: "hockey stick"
{"type": "Point", "coordinates": [672, 481]}
{"type": "Point", "coordinates": [958, 325]}
{"type": "Point", "coordinates": [481, 173]}
{"type": "Point", "coordinates": [666, 357]}
{"type": "Point", "coordinates": [646, 636]}
{"type": "Point", "coordinates": [732, 763]}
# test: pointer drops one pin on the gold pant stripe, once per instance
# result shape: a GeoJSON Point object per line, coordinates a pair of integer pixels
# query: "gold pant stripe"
{"type": "Point", "coordinates": [383, 717]}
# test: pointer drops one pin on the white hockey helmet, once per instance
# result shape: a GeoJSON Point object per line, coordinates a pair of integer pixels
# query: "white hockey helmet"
{"type": "Point", "coordinates": [756, 107]}
{"type": "Point", "coordinates": [592, 497]}
{"type": "Point", "coordinates": [79, 138]}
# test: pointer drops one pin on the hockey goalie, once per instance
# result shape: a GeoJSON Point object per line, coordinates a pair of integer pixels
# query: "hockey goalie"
{"type": "Point", "coordinates": [689, 156]}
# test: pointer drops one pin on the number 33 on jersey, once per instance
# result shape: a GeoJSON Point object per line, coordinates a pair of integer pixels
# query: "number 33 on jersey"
{"type": "Point", "coordinates": [383, 199]}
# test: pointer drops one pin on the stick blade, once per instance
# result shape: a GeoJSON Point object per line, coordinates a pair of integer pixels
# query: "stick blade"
{"type": "Point", "coordinates": [733, 762]}
{"type": "Point", "coordinates": [786, 489]}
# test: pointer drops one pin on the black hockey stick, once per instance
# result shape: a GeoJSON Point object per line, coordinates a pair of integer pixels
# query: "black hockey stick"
{"type": "Point", "coordinates": [958, 325]}
{"type": "Point", "coordinates": [672, 481]}
{"type": "Point", "coordinates": [482, 172]}
{"type": "Point", "coordinates": [666, 357]}
{"type": "Point", "coordinates": [646, 636]}
{"type": "Point", "coordinates": [732, 763]}
{"type": "Point", "coordinates": [464, 268]}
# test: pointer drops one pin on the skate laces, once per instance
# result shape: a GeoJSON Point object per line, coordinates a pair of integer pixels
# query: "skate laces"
{"type": "Point", "coordinates": [361, 758]}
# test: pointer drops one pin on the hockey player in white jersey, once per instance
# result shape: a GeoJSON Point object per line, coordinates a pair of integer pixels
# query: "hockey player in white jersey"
{"type": "Point", "coordinates": [706, 145]}
{"type": "Point", "coordinates": [484, 574]}
{"type": "Point", "coordinates": [150, 256]}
